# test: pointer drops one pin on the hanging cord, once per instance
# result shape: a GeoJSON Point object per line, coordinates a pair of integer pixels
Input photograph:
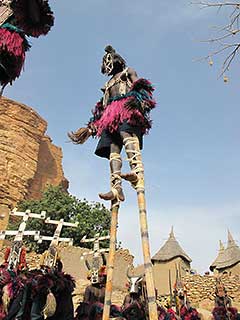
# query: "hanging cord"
{"type": "Point", "coordinates": [135, 161]}
{"type": "Point", "coordinates": [115, 177]}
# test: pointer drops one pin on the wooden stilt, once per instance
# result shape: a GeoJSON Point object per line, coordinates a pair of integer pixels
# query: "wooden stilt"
{"type": "Point", "coordinates": [140, 188]}
{"type": "Point", "coordinates": [152, 307]}
{"type": "Point", "coordinates": [111, 258]}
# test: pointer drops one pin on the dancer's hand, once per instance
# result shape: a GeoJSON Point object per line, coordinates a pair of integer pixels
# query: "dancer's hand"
{"type": "Point", "coordinates": [81, 135]}
{"type": "Point", "coordinates": [92, 129]}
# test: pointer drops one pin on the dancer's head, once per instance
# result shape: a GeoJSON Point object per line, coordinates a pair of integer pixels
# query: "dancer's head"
{"type": "Point", "coordinates": [112, 62]}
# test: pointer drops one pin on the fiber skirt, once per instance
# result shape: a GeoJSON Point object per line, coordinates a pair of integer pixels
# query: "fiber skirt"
{"type": "Point", "coordinates": [115, 114]}
{"type": "Point", "coordinates": [12, 55]}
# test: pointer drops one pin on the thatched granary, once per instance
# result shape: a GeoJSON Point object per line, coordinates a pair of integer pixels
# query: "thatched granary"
{"type": "Point", "coordinates": [219, 257]}
{"type": "Point", "coordinates": [228, 260]}
{"type": "Point", "coordinates": [166, 261]}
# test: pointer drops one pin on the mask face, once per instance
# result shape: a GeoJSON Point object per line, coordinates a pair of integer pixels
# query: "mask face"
{"type": "Point", "coordinates": [221, 292]}
{"type": "Point", "coordinates": [50, 258]}
{"type": "Point", "coordinates": [108, 63]}
{"type": "Point", "coordinates": [94, 276]}
{"type": "Point", "coordinates": [49, 261]}
{"type": "Point", "coordinates": [14, 255]}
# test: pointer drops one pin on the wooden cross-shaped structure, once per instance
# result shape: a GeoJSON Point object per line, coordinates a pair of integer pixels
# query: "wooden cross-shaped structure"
{"type": "Point", "coordinates": [50, 256]}
{"type": "Point", "coordinates": [19, 234]}
{"type": "Point", "coordinates": [96, 244]}
{"type": "Point", "coordinates": [55, 239]}
{"type": "Point", "coordinates": [96, 254]}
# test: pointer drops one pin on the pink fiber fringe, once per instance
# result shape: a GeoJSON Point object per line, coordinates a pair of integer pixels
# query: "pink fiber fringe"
{"type": "Point", "coordinates": [12, 44]}
{"type": "Point", "coordinates": [2, 315]}
{"type": "Point", "coordinates": [116, 113]}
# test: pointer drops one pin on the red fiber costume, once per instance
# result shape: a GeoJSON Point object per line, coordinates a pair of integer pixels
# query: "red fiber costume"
{"type": "Point", "coordinates": [18, 19]}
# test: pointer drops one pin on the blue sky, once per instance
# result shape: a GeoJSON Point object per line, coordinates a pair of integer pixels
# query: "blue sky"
{"type": "Point", "coordinates": [191, 155]}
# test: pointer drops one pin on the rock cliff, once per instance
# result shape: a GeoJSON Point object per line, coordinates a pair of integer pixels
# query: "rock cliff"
{"type": "Point", "coordinates": [28, 159]}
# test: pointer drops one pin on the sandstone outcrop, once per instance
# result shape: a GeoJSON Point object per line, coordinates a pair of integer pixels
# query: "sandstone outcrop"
{"type": "Point", "coordinates": [28, 159]}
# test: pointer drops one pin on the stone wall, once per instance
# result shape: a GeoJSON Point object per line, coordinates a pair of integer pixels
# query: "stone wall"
{"type": "Point", "coordinates": [201, 288]}
{"type": "Point", "coordinates": [28, 159]}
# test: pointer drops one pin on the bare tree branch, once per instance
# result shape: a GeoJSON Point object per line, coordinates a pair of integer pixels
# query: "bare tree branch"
{"type": "Point", "coordinates": [222, 37]}
{"type": "Point", "coordinates": [227, 62]}
{"type": "Point", "coordinates": [218, 4]}
{"type": "Point", "coordinates": [230, 29]}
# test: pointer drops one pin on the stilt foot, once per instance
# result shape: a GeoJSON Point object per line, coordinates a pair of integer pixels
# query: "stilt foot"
{"type": "Point", "coordinates": [112, 195]}
{"type": "Point", "coordinates": [131, 177]}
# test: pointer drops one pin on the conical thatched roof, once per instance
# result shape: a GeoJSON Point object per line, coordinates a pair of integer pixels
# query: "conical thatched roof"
{"type": "Point", "coordinates": [219, 256]}
{"type": "Point", "coordinates": [170, 250]}
{"type": "Point", "coordinates": [231, 254]}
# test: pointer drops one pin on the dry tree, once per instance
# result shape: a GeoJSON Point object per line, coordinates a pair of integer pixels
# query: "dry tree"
{"type": "Point", "coordinates": [227, 41]}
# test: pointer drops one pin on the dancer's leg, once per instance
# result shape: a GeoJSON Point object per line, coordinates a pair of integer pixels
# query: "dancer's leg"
{"type": "Point", "coordinates": [116, 191]}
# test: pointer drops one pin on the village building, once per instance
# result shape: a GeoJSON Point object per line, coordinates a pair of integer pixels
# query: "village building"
{"type": "Point", "coordinates": [228, 259]}
{"type": "Point", "coordinates": [219, 257]}
{"type": "Point", "coordinates": [167, 262]}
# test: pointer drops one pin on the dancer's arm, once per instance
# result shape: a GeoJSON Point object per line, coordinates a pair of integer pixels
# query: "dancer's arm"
{"type": "Point", "coordinates": [132, 75]}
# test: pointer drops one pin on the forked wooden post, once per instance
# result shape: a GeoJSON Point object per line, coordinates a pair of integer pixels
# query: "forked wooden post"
{"type": "Point", "coordinates": [111, 258]}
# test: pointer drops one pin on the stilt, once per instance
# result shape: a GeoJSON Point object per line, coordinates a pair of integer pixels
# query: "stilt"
{"type": "Point", "coordinates": [151, 295]}
{"type": "Point", "coordinates": [135, 160]}
{"type": "Point", "coordinates": [111, 258]}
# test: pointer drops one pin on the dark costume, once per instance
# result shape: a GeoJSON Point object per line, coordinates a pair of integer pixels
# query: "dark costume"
{"type": "Point", "coordinates": [92, 306]}
{"type": "Point", "coordinates": [182, 303]}
{"type": "Point", "coordinates": [11, 281]}
{"type": "Point", "coordinates": [18, 19]}
{"type": "Point", "coordinates": [10, 287]}
{"type": "Point", "coordinates": [41, 294]}
{"type": "Point", "coordinates": [47, 296]}
{"type": "Point", "coordinates": [189, 313]}
{"type": "Point", "coordinates": [223, 306]}
{"type": "Point", "coordinates": [134, 309]}
{"type": "Point", "coordinates": [134, 305]}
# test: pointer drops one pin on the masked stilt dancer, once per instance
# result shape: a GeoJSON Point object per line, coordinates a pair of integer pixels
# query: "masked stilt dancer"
{"type": "Point", "coordinates": [120, 118]}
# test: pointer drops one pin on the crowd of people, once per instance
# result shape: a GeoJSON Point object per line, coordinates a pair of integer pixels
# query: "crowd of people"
{"type": "Point", "coordinates": [46, 293]}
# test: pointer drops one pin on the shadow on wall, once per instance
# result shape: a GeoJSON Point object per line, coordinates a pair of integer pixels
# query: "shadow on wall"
{"type": "Point", "coordinates": [49, 169]}
{"type": "Point", "coordinates": [75, 265]}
